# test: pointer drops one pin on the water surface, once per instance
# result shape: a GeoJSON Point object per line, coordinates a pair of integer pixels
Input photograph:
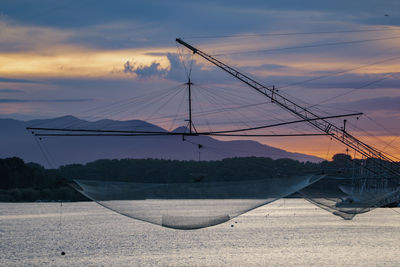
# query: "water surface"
{"type": "Point", "coordinates": [288, 232]}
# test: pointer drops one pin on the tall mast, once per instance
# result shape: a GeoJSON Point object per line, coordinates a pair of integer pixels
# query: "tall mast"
{"type": "Point", "coordinates": [189, 83]}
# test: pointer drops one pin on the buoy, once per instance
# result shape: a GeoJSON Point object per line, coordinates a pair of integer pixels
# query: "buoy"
{"type": "Point", "coordinates": [62, 253]}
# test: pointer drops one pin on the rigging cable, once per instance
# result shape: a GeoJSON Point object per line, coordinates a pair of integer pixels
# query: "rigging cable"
{"type": "Point", "coordinates": [348, 92]}
{"type": "Point", "coordinates": [286, 34]}
{"type": "Point", "coordinates": [312, 45]}
{"type": "Point", "coordinates": [188, 69]}
{"type": "Point", "coordinates": [340, 72]}
{"type": "Point", "coordinates": [395, 211]}
{"type": "Point", "coordinates": [201, 108]}
{"type": "Point", "coordinates": [60, 229]}
{"type": "Point", "coordinates": [174, 118]}
{"type": "Point", "coordinates": [153, 101]}
{"type": "Point", "coordinates": [160, 107]}
{"type": "Point", "coordinates": [388, 144]}
{"type": "Point", "coordinates": [329, 148]}
{"type": "Point", "coordinates": [110, 108]}
{"type": "Point", "coordinates": [213, 99]}
{"type": "Point", "coordinates": [378, 139]}
{"type": "Point", "coordinates": [46, 155]}
{"type": "Point", "coordinates": [240, 98]}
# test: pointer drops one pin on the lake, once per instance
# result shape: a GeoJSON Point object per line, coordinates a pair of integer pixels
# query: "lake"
{"type": "Point", "coordinates": [288, 232]}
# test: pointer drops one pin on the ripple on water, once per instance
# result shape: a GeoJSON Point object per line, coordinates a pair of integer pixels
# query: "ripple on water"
{"type": "Point", "coordinates": [294, 233]}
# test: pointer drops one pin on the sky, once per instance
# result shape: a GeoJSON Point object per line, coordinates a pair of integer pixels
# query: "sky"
{"type": "Point", "coordinates": [84, 58]}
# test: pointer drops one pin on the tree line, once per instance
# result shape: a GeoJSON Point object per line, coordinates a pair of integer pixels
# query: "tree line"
{"type": "Point", "coordinates": [22, 181]}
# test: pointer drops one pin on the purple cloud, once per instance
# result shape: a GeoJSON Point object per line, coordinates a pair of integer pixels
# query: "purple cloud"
{"type": "Point", "coordinates": [154, 70]}
{"type": "Point", "coordinates": [11, 91]}
{"type": "Point", "coordinates": [11, 100]}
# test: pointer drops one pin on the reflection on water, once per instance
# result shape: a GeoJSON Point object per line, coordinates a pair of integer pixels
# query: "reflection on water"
{"type": "Point", "coordinates": [286, 232]}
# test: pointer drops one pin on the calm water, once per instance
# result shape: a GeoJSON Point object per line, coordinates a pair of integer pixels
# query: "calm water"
{"type": "Point", "coordinates": [286, 232]}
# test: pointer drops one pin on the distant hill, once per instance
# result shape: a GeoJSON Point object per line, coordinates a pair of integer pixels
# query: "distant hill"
{"type": "Point", "coordinates": [16, 141]}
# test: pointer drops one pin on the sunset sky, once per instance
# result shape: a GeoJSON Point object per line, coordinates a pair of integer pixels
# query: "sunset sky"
{"type": "Point", "coordinates": [67, 57]}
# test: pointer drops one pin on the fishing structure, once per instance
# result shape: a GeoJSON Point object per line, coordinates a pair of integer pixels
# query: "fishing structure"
{"type": "Point", "coordinates": [374, 181]}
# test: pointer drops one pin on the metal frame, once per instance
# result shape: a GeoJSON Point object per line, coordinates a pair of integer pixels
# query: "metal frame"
{"type": "Point", "coordinates": [339, 134]}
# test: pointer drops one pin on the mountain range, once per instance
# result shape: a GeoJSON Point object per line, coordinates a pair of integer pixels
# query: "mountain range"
{"type": "Point", "coordinates": [15, 140]}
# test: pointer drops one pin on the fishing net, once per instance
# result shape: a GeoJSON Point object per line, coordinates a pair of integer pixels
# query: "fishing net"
{"type": "Point", "coordinates": [167, 131]}
{"type": "Point", "coordinates": [346, 198]}
{"type": "Point", "coordinates": [190, 205]}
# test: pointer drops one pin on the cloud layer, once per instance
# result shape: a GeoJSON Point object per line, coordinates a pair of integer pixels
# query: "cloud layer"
{"type": "Point", "coordinates": [83, 53]}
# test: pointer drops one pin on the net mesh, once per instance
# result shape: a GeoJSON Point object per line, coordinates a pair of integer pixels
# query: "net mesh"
{"type": "Point", "coordinates": [345, 198]}
{"type": "Point", "coordinates": [190, 205]}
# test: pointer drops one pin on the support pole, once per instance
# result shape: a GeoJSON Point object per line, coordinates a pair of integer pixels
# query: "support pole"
{"type": "Point", "coordinates": [189, 83]}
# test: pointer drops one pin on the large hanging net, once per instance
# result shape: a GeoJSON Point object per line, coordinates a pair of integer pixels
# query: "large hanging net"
{"type": "Point", "coordinates": [190, 205]}
{"type": "Point", "coordinates": [191, 121]}
{"type": "Point", "coordinates": [346, 198]}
